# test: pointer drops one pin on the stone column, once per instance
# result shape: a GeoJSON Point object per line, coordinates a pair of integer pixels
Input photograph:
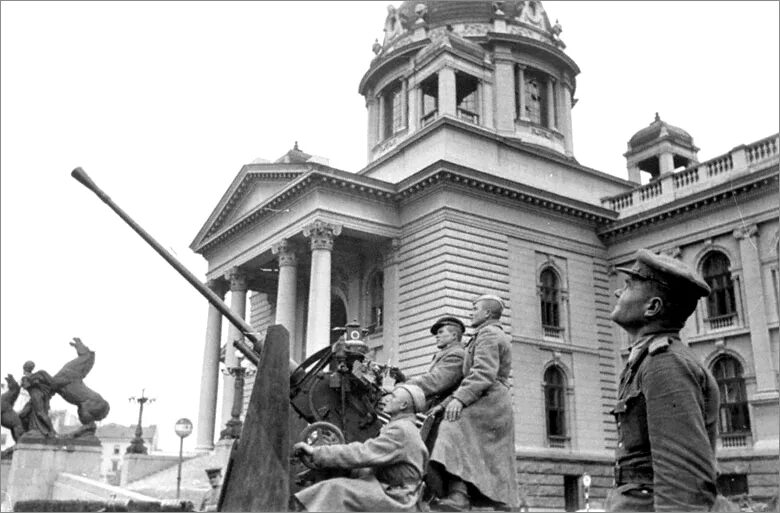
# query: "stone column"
{"type": "Point", "coordinates": [209, 385]}
{"type": "Point", "coordinates": [404, 105]}
{"type": "Point", "coordinates": [566, 107]}
{"type": "Point", "coordinates": [756, 308]}
{"type": "Point", "coordinates": [318, 324]}
{"type": "Point", "coordinates": [551, 103]}
{"type": "Point", "coordinates": [413, 102]}
{"type": "Point", "coordinates": [505, 95]}
{"type": "Point", "coordinates": [380, 129]}
{"type": "Point", "coordinates": [666, 161]}
{"type": "Point", "coordinates": [520, 92]}
{"type": "Point", "coordinates": [390, 339]}
{"type": "Point", "coordinates": [286, 293]}
{"type": "Point", "coordinates": [447, 101]}
{"type": "Point", "coordinates": [373, 125]}
{"type": "Point", "coordinates": [238, 287]}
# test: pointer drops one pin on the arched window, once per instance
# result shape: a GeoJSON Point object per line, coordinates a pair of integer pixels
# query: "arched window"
{"type": "Point", "coordinates": [376, 297]}
{"type": "Point", "coordinates": [721, 306]}
{"type": "Point", "coordinates": [734, 416]}
{"type": "Point", "coordinates": [549, 292]}
{"type": "Point", "coordinates": [555, 405]}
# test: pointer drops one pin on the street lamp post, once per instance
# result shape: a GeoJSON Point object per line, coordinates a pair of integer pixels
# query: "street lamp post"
{"type": "Point", "coordinates": [183, 428]}
{"type": "Point", "coordinates": [137, 444]}
{"type": "Point", "coordinates": [239, 372]}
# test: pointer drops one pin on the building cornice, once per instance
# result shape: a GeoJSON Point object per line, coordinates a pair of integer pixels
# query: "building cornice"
{"type": "Point", "coordinates": [746, 186]}
{"type": "Point", "coordinates": [531, 149]}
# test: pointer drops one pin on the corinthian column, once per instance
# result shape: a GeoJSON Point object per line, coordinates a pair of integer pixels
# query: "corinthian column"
{"type": "Point", "coordinates": [286, 289]}
{"type": "Point", "coordinates": [207, 412]}
{"type": "Point", "coordinates": [238, 287]}
{"type": "Point", "coordinates": [318, 323]}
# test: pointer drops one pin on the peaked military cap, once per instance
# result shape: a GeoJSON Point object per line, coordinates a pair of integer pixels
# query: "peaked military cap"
{"type": "Point", "coordinates": [211, 472]}
{"type": "Point", "coordinates": [667, 271]}
{"type": "Point", "coordinates": [492, 297]}
{"type": "Point", "coordinates": [447, 321]}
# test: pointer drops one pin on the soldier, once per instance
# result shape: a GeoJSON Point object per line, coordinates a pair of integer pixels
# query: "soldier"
{"type": "Point", "coordinates": [442, 378]}
{"type": "Point", "coordinates": [211, 499]}
{"type": "Point", "coordinates": [475, 448]}
{"type": "Point", "coordinates": [446, 370]}
{"type": "Point", "coordinates": [388, 468]}
{"type": "Point", "coordinates": [667, 406]}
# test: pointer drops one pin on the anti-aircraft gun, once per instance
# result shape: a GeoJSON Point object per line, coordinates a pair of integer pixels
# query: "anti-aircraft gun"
{"type": "Point", "coordinates": [337, 391]}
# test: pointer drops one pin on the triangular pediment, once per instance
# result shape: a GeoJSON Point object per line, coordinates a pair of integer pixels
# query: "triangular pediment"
{"type": "Point", "coordinates": [254, 185]}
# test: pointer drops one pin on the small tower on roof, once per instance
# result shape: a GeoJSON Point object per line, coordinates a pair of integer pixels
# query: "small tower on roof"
{"type": "Point", "coordinates": [659, 148]}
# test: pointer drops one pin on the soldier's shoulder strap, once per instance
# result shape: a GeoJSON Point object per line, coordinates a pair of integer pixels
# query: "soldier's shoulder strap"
{"type": "Point", "coordinates": [659, 345]}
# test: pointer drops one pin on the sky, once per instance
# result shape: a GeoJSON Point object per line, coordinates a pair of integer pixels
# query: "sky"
{"type": "Point", "coordinates": [162, 103]}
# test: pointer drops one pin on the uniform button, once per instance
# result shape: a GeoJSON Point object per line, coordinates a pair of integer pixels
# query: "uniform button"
{"type": "Point", "coordinates": [618, 425]}
{"type": "Point", "coordinates": [620, 444]}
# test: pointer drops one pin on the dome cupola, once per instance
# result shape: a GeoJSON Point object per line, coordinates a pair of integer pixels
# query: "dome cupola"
{"type": "Point", "coordinates": [499, 66]}
{"type": "Point", "coordinates": [659, 148]}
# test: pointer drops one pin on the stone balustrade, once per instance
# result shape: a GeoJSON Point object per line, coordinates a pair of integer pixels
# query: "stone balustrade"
{"type": "Point", "coordinates": [671, 186]}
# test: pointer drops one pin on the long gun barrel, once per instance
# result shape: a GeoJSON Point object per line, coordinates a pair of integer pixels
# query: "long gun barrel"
{"type": "Point", "coordinates": [212, 298]}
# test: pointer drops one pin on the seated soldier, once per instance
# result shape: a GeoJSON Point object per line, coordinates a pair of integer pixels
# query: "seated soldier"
{"type": "Point", "coordinates": [389, 468]}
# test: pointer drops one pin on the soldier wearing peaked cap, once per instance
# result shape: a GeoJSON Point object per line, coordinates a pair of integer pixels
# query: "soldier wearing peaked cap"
{"type": "Point", "coordinates": [475, 447]}
{"type": "Point", "coordinates": [211, 499]}
{"type": "Point", "coordinates": [668, 401]}
{"type": "Point", "coordinates": [442, 378]}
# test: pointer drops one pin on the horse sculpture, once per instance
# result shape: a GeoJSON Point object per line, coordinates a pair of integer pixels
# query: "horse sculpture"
{"type": "Point", "coordinates": [69, 384]}
{"type": "Point", "coordinates": [10, 419]}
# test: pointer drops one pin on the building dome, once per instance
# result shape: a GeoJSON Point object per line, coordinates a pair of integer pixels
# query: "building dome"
{"type": "Point", "coordinates": [657, 130]}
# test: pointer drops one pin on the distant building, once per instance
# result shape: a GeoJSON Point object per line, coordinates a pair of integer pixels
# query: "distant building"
{"type": "Point", "coordinates": [115, 438]}
{"type": "Point", "coordinates": [472, 187]}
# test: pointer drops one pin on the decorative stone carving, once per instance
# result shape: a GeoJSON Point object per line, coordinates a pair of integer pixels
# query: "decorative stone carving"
{"type": "Point", "coordinates": [746, 231]}
{"type": "Point", "coordinates": [533, 99]}
{"type": "Point", "coordinates": [390, 257]}
{"type": "Point", "coordinates": [421, 10]}
{"type": "Point", "coordinates": [238, 280]}
{"type": "Point", "coordinates": [531, 12]}
{"type": "Point", "coordinates": [376, 48]}
{"type": "Point", "coordinates": [556, 33]}
{"type": "Point", "coordinates": [474, 29]}
{"type": "Point", "coordinates": [393, 25]}
{"type": "Point", "coordinates": [322, 234]}
{"type": "Point", "coordinates": [674, 252]}
{"type": "Point", "coordinates": [10, 419]}
{"type": "Point", "coordinates": [285, 251]}
{"type": "Point", "coordinates": [498, 8]}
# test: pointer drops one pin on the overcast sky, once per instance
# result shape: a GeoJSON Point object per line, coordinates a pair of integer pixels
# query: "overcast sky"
{"type": "Point", "coordinates": [162, 103]}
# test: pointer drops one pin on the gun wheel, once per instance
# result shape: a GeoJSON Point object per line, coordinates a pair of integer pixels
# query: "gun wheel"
{"type": "Point", "coordinates": [320, 433]}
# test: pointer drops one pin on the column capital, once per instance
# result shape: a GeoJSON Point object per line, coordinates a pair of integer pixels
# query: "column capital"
{"type": "Point", "coordinates": [238, 279]}
{"type": "Point", "coordinates": [218, 286]}
{"type": "Point", "coordinates": [746, 232]}
{"type": "Point", "coordinates": [321, 234]}
{"type": "Point", "coordinates": [285, 250]}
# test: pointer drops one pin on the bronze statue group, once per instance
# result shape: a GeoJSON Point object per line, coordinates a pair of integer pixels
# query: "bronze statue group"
{"type": "Point", "coordinates": [666, 414]}
{"type": "Point", "coordinates": [33, 422]}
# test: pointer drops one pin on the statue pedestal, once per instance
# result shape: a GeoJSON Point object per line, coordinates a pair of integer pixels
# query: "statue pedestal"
{"type": "Point", "coordinates": [37, 463]}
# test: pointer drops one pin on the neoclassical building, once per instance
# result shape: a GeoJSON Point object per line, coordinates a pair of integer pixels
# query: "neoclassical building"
{"type": "Point", "coordinates": [472, 187]}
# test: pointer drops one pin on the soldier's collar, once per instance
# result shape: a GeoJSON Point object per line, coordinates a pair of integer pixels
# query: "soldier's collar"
{"type": "Point", "coordinates": [489, 322]}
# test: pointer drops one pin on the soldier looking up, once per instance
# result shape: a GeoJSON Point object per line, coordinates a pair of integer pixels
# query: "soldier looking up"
{"type": "Point", "coordinates": [667, 406]}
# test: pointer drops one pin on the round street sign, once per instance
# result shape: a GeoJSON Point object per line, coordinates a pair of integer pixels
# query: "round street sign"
{"type": "Point", "coordinates": [183, 427]}
{"type": "Point", "coordinates": [586, 480]}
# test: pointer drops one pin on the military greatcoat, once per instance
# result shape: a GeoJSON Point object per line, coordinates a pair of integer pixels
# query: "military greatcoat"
{"type": "Point", "coordinates": [479, 447]}
{"type": "Point", "coordinates": [444, 375]}
{"type": "Point", "coordinates": [667, 412]}
{"type": "Point", "coordinates": [389, 472]}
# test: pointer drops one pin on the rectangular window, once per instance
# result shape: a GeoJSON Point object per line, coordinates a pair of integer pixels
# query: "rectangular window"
{"type": "Point", "coordinates": [535, 88]}
{"type": "Point", "coordinates": [466, 97]}
{"type": "Point", "coordinates": [430, 99]}
{"type": "Point", "coordinates": [393, 115]}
